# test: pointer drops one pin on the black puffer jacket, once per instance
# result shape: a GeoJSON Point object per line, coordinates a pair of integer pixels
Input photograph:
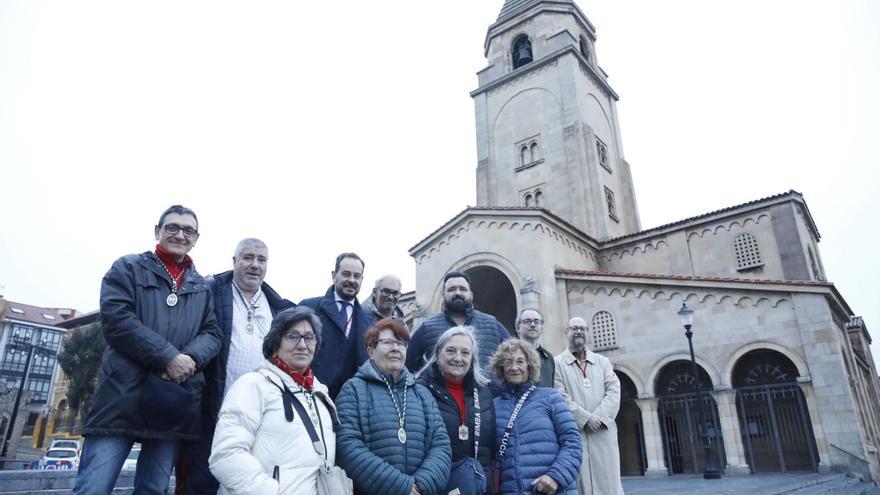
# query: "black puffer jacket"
{"type": "Point", "coordinates": [432, 378]}
{"type": "Point", "coordinates": [143, 335]}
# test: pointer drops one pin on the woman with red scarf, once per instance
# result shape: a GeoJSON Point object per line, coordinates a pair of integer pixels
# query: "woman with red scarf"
{"type": "Point", "coordinates": [262, 442]}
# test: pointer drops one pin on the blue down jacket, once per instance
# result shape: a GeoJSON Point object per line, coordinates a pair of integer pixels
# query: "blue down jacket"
{"type": "Point", "coordinates": [366, 443]}
{"type": "Point", "coordinates": [545, 440]}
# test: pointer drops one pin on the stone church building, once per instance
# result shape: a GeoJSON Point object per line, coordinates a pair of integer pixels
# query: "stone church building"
{"type": "Point", "coordinates": [790, 378]}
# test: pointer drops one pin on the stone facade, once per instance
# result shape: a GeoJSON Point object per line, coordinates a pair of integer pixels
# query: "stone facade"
{"type": "Point", "coordinates": [768, 326]}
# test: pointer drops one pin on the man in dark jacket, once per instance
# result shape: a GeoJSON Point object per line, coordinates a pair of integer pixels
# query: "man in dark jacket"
{"type": "Point", "coordinates": [382, 303]}
{"type": "Point", "coordinates": [530, 326]}
{"type": "Point", "coordinates": [343, 324]}
{"type": "Point", "coordinates": [458, 309]}
{"type": "Point", "coordinates": [244, 306]}
{"type": "Point", "coordinates": [158, 321]}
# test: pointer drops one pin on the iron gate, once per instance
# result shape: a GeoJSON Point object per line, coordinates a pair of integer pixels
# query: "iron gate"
{"type": "Point", "coordinates": [776, 428]}
{"type": "Point", "coordinates": [679, 425]}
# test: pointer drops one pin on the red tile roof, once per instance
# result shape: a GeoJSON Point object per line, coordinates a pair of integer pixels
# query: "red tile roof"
{"type": "Point", "coordinates": [37, 314]}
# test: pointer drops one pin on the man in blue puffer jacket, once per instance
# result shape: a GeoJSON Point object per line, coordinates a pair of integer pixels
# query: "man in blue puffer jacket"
{"type": "Point", "coordinates": [458, 309]}
{"type": "Point", "coordinates": [544, 447]}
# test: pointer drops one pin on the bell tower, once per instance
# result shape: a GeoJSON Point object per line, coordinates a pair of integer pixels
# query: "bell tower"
{"type": "Point", "coordinates": [546, 119]}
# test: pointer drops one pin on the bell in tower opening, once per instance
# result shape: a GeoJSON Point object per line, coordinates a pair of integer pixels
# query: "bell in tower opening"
{"type": "Point", "coordinates": [522, 51]}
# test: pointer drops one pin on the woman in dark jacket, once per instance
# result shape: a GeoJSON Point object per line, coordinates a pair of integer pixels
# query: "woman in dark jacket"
{"type": "Point", "coordinates": [391, 438]}
{"type": "Point", "coordinates": [543, 450]}
{"type": "Point", "coordinates": [456, 381]}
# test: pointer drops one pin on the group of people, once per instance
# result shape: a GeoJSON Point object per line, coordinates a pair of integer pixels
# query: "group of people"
{"type": "Point", "coordinates": [244, 392]}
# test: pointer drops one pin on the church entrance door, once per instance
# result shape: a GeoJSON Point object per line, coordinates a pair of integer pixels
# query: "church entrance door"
{"type": "Point", "coordinates": [493, 294]}
{"type": "Point", "coordinates": [680, 418]}
{"type": "Point", "coordinates": [773, 415]}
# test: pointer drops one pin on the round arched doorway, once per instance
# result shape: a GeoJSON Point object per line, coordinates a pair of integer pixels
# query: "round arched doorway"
{"type": "Point", "coordinates": [773, 416]}
{"type": "Point", "coordinates": [680, 418]}
{"type": "Point", "coordinates": [629, 430]}
{"type": "Point", "coordinates": [493, 294]}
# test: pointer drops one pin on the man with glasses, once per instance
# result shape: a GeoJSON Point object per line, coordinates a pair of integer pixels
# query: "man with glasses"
{"type": "Point", "coordinates": [592, 390]}
{"type": "Point", "coordinates": [382, 303]}
{"type": "Point", "coordinates": [244, 306]}
{"type": "Point", "coordinates": [160, 329]}
{"type": "Point", "coordinates": [344, 324]}
{"type": "Point", "coordinates": [530, 325]}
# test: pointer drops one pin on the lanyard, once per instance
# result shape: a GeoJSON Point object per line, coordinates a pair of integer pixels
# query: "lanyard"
{"type": "Point", "coordinates": [502, 448]}
{"type": "Point", "coordinates": [476, 423]}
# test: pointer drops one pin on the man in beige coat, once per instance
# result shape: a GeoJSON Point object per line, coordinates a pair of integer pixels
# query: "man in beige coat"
{"type": "Point", "coordinates": [593, 394]}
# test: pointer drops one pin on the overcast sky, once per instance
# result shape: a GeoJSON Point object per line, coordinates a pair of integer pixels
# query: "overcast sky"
{"type": "Point", "coordinates": [329, 126]}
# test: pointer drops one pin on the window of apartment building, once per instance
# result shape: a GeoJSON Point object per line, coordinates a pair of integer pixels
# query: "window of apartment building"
{"type": "Point", "coordinates": [604, 330]}
{"type": "Point", "coordinates": [745, 248]}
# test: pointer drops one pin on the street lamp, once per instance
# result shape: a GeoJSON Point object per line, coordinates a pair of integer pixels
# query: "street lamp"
{"type": "Point", "coordinates": [711, 472]}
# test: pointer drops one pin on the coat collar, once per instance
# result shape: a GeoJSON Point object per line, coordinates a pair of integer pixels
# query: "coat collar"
{"type": "Point", "coordinates": [370, 372]}
{"type": "Point", "coordinates": [151, 262]}
{"type": "Point", "coordinates": [278, 377]}
{"type": "Point", "coordinates": [569, 359]}
{"type": "Point", "coordinates": [225, 279]}
{"type": "Point", "coordinates": [468, 318]}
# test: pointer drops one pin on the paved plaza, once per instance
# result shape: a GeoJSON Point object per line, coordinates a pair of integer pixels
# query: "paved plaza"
{"type": "Point", "coordinates": [756, 484]}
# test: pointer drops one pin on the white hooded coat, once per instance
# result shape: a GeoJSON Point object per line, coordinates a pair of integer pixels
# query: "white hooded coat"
{"type": "Point", "coordinates": [253, 436]}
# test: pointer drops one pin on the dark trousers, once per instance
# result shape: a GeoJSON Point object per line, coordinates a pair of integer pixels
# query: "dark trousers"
{"type": "Point", "coordinates": [193, 461]}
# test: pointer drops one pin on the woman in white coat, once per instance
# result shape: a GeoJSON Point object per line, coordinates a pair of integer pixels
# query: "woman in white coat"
{"type": "Point", "coordinates": [261, 444]}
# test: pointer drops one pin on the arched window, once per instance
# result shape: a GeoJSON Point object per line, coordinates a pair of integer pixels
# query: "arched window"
{"type": "Point", "coordinates": [539, 198]}
{"type": "Point", "coordinates": [585, 48]}
{"type": "Point", "coordinates": [533, 152]}
{"type": "Point", "coordinates": [609, 202]}
{"type": "Point", "coordinates": [745, 248]}
{"type": "Point", "coordinates": [524, 155]}
{"type": "Point", "coordinates": [522, 51]}
{"type": "Point", "coordinates": [604, 330]}
{"type": "Point", "coordinates": [528, 200]}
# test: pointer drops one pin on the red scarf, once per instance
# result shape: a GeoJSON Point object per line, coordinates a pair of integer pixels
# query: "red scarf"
{"type": "Point", "coordinates": [174, 268]}
{"type": "Point", "coordinates": [305, 379]}
{"type": "Point", "coordinates": [457, 392]}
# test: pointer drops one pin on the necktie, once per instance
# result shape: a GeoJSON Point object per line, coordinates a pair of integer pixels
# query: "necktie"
{"type": "Point", "coordinates": [343, 311]}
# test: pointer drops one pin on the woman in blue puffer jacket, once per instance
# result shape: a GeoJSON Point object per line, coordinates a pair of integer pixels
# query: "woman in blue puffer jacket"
{"type": "Point", "coordinates": [391, 438]}
{"type": "Point", "coordinates": [543, 450]}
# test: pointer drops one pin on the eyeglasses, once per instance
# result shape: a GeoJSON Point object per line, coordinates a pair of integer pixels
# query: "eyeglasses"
{"type": "Point", "coordinates": [529, 321]}
{"type": "Point", "coordinates": [173, 228]}
{"type": "Point", "coordinates": [295, 338]}
{"type": "Point", "coordinates": [390, 293]}
{"type": "Point", "coordinates": [394, 343]}
{"type": "Point", "coordinates": [577, 329]}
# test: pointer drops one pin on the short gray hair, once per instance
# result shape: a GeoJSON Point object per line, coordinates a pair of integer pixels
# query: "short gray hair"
{"type": "Point", "coordinates": [475, 371]}
{"type": "Point", "coordinates": [250, 241]}
{"type": "Point", "coordinates": [283, 321]}
{"type": "Point", "coordinates": [386, 277]}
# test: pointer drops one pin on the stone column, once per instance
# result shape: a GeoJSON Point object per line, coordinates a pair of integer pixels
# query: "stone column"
{"type": "Point", "coordinates": [733, 445]}
{"type": "Point", "coordinates": [653, 437]}
{"type": "Point", "coordinates": [806, 385]}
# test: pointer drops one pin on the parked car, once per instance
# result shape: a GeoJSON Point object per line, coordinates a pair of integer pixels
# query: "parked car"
{"type": "Point", "coordinates": [64, 443]}
{"type": "Point", "coordinates": [60, 458]}
{"type": "Point", "coordinates": [131, 461]}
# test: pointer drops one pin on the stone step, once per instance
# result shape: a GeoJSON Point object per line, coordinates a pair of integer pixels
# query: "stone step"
{"type": "Point", "coordinates": [840, 484]}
